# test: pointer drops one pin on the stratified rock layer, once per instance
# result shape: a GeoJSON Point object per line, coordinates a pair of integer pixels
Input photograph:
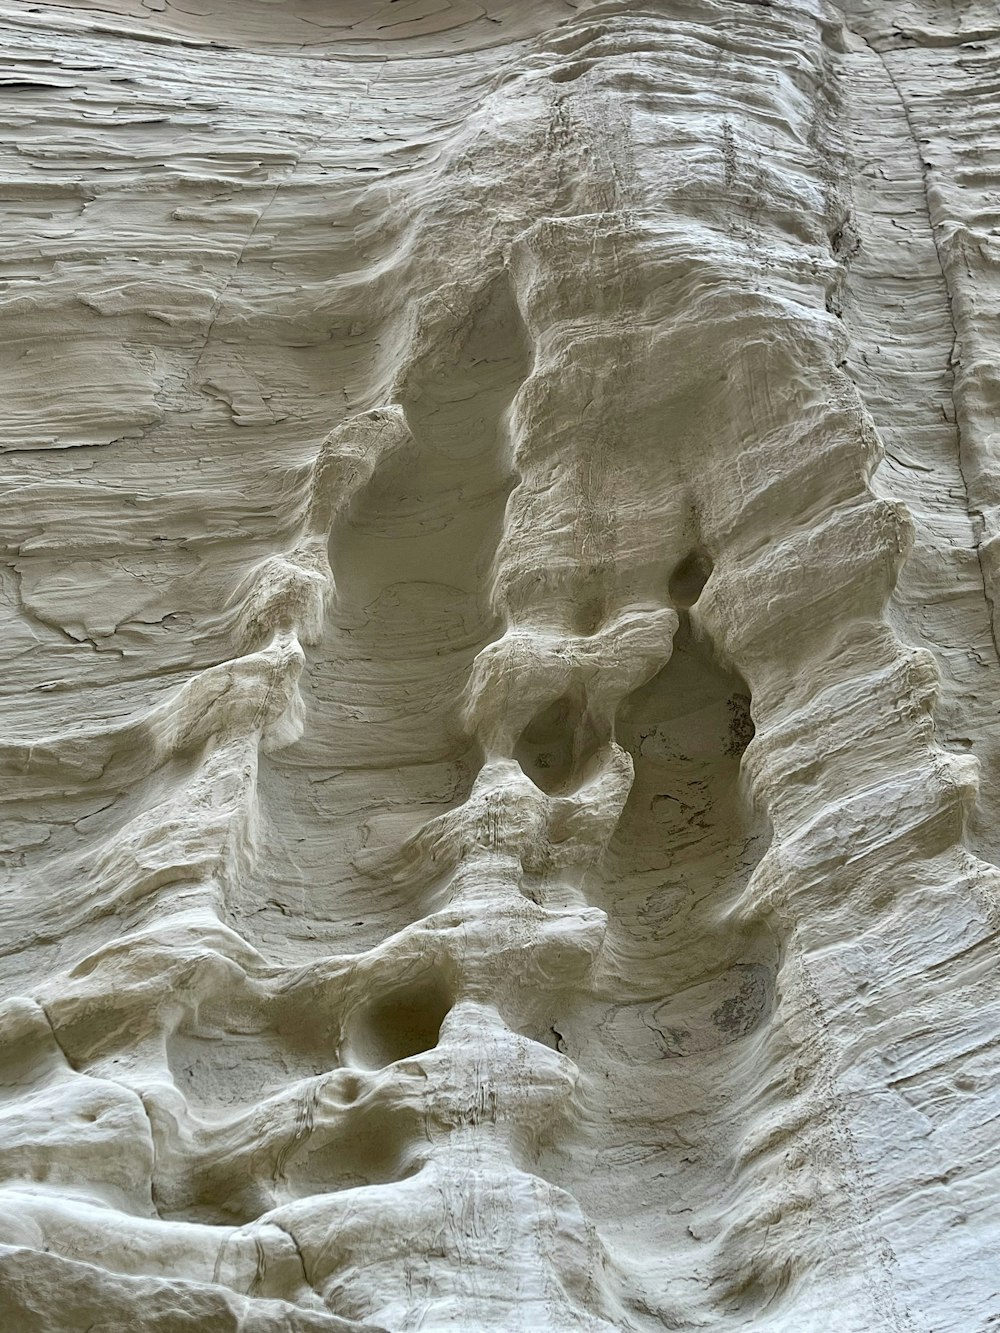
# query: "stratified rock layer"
{"type": "Point", "coordinates": [501, 687]}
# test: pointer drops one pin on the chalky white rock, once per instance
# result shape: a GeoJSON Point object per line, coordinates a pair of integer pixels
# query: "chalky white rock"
{"type": "Point", "coordinates": [501, 732]}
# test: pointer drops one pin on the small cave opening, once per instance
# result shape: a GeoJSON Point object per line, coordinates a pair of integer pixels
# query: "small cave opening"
{"type": "Point", "coordinates": [401, 1022]}
{"type": "Point", "coordinates": [689, 577]}
{"type": "Point", "coordinates": [370, 1145]}
{"type": "Point", "coordinates": [556, 746]}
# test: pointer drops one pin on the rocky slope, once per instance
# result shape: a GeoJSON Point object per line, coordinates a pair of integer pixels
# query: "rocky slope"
{"type": "Point", "coordinates": [501, 688]}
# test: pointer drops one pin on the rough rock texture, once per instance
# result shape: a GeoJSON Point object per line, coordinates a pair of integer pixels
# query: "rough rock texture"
{"type": "Point", "coordinates": [500, 682]}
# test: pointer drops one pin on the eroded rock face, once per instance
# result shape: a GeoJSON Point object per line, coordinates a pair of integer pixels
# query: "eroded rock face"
{"type": "Point", "coordinates": [500, 666]}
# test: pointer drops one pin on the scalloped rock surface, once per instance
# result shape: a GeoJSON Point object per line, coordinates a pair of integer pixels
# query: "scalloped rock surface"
{"type": "Point", "coordinates": [501, 723]}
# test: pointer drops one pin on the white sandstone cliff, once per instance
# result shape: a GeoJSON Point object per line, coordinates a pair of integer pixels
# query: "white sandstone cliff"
{"type": "Point", "coordinates": [501, 721]}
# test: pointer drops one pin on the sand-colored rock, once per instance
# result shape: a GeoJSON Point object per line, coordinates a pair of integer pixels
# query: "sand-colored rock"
{"type": "Point", "coordinates": [501, 732]}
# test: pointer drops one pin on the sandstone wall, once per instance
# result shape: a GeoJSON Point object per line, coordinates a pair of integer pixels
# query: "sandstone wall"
{"type": "Point", "coordinates": [500, 666]}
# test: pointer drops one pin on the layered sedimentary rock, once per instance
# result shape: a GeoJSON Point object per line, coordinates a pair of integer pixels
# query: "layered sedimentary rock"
{"type": "Point", "coordinates": [500, 726]}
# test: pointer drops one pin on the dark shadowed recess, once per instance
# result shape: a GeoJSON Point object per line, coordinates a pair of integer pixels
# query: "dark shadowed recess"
{"type": "Point", "coordinates": [384, 750]}
{"type": "Point", "coordinates": [674, 1046]}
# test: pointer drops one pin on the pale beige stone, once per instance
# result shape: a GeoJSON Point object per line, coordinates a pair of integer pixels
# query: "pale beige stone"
{"type": "Point", "coordinates": [501, 727]}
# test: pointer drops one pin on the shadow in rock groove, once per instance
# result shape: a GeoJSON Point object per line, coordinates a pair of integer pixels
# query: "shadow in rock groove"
{"type": "Point", "coordinates": [383, 750]}
{"type": "Point", "coordinates": [672, 1043]}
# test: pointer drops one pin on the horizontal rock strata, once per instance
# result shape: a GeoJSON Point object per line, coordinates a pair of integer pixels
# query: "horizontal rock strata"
{"type": "Point", "coordinates": [501, 731]}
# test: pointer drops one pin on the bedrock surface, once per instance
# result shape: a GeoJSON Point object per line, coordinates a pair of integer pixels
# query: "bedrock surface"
{"type": "Point", "coordinates": [500, 732]}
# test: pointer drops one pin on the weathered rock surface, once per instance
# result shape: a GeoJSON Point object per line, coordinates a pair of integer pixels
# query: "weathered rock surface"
{"type": "Point", "coordinates": [500, 676]}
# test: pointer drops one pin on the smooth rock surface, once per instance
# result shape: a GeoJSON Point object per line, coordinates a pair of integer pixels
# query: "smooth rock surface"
{"type": "Point", "coordinates": [501, 701]}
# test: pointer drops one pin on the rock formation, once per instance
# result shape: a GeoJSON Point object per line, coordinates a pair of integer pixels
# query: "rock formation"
{"type": "Point", "coordinates": [501, 682]}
